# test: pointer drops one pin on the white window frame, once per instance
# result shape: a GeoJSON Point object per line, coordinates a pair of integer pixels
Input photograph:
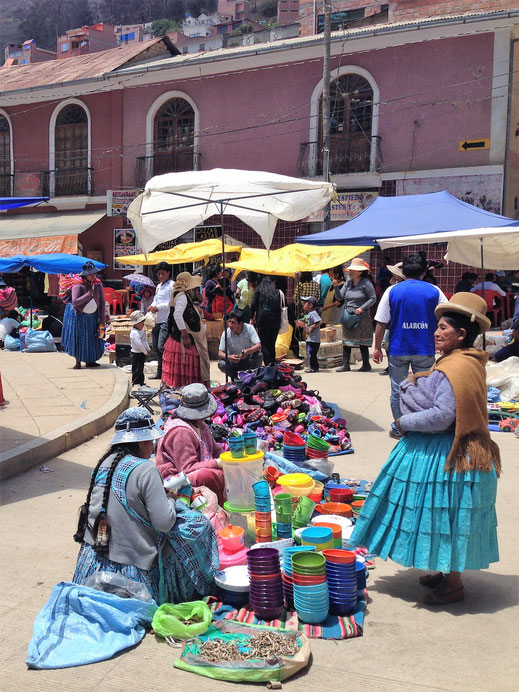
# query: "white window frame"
{"type": "Point", "coordinates": [313, 136]}
{"type": "Point", "coordinates": [6, 115]}
{"type": "Point", "coordinates": [52, 142]}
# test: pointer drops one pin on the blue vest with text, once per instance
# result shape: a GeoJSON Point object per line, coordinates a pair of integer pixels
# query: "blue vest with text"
{"type": "Point", "coordinates": [413, 323]}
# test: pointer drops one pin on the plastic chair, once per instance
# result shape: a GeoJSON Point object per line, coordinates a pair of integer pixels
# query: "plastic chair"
{"type": "Point", "coordinates": [114, 299]}
{"type": "Point", "coordinates": [493, 312]}
{"type": "Point", "coordinates": [135, 302]}
{"type": "Point", "coordinates": [448, 295]}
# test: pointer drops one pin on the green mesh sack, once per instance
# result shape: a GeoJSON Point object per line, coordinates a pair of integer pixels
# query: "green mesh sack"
{"type": "Point", "coordinates": [170, 619]}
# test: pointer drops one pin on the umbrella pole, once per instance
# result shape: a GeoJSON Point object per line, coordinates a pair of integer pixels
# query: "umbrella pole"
{"type": "Point", "coordinates": [224, 293]}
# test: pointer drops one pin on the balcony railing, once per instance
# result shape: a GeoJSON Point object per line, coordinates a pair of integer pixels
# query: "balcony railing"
{"type": "Point", "coordinates": [346, 156]}
{"type": "Point", "coordinates": [182, 159]}
{"type": "Point", "coordinates": [6, 185]}
{"type": "Point", "coordinates": [63, 182]}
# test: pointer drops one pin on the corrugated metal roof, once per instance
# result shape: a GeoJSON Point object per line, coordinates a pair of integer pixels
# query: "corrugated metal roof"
{"type": "Point", "coordinates": [80, 67]}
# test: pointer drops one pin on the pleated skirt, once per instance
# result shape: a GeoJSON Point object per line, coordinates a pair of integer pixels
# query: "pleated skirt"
{"type": "Point", "coordinates": [79, 336]}
{"type": "Point", "coordinates": [178, 585]}
{"type": "Point", "coordinates": [178, 369]}
{"type": "Point", "coordinates": [420, 516]}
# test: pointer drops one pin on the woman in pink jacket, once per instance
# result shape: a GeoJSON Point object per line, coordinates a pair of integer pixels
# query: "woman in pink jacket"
{"type": "Point", "coordinates": [188, 444]}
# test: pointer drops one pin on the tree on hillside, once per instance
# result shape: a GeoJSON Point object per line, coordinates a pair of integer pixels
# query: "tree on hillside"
{"type": "Point", "coordinates": [160, 27]}
{"type": "Point", "coordinates": [44, 20]}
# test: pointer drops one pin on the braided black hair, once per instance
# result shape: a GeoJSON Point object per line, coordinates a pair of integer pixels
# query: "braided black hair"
{"type": "Point", "coordinates": [119, 451]}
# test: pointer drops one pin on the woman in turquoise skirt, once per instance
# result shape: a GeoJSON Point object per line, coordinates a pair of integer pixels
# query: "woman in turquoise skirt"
{"type": "Point", "coordinates": [433, 504]}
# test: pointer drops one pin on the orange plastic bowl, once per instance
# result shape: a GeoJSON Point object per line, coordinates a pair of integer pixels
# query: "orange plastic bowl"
{"type": "Point", "coordinates": [339, 556]}
{"type": "Point", "coordinates": [339, 508]}
{"type": "Point", "coordinates": [336, 528]}
{"type": "Point", "coordinates": [357, 504]}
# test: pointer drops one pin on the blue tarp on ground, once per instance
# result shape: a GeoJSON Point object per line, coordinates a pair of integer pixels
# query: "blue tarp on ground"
{"type": "Point", "coordinates": [15, 202]}
{"type": "Point", "coordinates": [408, 215]}
{"type": "Point", "coordinates": [53, 263]}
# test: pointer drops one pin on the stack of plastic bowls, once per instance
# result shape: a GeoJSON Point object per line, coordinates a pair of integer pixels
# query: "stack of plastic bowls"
{"type": "Point", "coordinates": [341, 571]}
{"type": "Point", "coordinates": [319, 536]}
{"type": "Point", "coordinates": [341, 494]}
{"type": "Point", "coordinates": [339, 508]}
{"type": "Point", "coordinates": [317, 492]}
{"type": "Point", "coordinates": [361, 574]}
{"type": "Point", "coordinates": [336, 531]}
{"type": "Point", "coordinates": [286, 572]}
{"type": "Point", "coordinates": [262, 513]}
{"type": "Point", "coordinates": [356, 507]}
{"type": "Point", "coordinates": [310, 588]}
{"type": "Point", "coordinates": [316, 448]}
{"type": "Point", "coordinates": [303, 512]}
{"type": "Point", "coordinates": [294, 448]}
{"type": "Point", "coordinates": [266, 592]}
{"type": "Point", "coordinates": [297, 484]}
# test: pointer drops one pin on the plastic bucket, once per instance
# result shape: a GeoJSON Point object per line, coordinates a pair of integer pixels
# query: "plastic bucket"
{"type": "Point", "coordinates": [239, 475]}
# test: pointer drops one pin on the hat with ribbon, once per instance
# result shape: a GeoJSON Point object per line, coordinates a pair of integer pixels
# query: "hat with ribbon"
{"type": "Point", "coordinates": [357, 265]}
{"type": "Point", "coordinates": [135, 425]}
{"type": "Point", "coordinates": [396, 270]}
{"type": "Point", "coordinates": [186, 281]}
{"type": "Point", "coordinates": [196, 403]}
{"type": "Point", "coordinates": [89, 268]}
{"type": "Point", "coordinates": [469, 304]}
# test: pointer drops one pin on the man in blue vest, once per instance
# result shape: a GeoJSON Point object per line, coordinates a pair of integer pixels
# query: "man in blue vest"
{"type": "Point", "coordinates": [407, 308]}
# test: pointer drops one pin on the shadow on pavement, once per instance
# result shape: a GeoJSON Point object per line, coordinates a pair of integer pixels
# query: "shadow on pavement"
{"type": "Point", "coordinates": [9, 438]}
{"type": "Point", "coordinates": [485, 592]}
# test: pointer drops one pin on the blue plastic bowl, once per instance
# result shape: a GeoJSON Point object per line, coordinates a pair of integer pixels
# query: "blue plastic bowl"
{"type": "Point", "coordinates": [312, 589]}
{"type": "Point", "coordinates": [311, 605]}
{"type": "Point", "coordinates": [317, 534]}
{"type": "Point", "coordinates": [312, 617]}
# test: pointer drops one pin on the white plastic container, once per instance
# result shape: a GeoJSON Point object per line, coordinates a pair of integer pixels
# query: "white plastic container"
{"type": "Point", "coordinates": [239, 475]}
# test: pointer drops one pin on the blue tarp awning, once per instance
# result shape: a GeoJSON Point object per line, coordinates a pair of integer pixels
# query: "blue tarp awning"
{"type": "Point", "coordinates": [408, 215]}
{"type": "Point", "coordinates": [15, 202]}
{"type": "Point", "coordinates": [56, 263]}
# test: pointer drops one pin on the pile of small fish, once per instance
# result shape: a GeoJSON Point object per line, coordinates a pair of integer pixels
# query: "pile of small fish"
{"type": "Point", "coordinates": [262, 645]}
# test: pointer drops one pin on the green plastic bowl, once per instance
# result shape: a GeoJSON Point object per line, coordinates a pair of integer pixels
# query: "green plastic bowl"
{"type": "Point", "coordinates": [311, 562]}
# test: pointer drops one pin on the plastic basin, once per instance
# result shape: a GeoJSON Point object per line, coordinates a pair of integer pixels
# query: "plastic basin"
{"type": "Point", "coordinates": [340, 556]}
{"type": "Point", "coordinates": [308, 560]}
{"type": "Point", "coordinates": [340, 508]}
{"type": "Point", "coordinates": [312, 617]}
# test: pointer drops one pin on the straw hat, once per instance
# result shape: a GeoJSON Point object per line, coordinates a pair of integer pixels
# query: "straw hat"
{"type": "Point", "coordinates": [186, 281]}
{"type": "Point", "coordinates": [357, 265]}
{"type": "Point", "coordinates": [396, 270]}
{"type": "Point", "coordinates": [136, 317]}
{"type": "Point", "coordinates": [469, 304]}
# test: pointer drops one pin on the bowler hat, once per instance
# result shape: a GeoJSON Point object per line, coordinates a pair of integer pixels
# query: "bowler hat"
{"type": "Point", "coordinates": [469, 304]}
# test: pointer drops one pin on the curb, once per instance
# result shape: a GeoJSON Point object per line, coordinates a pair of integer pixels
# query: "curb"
{"type": "Point", "coordinates": [62, 439]}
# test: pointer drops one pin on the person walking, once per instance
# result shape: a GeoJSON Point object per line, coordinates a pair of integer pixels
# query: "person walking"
{"type": "Point", "coordinates": [138, 346]}
{"type": "Point", "coordinates": [432, 506]}
{"type": "Point", "coordinates": [357, 295]}
{"type": "Point", "coordinates": [160, 308]}
{"type": "Point", "coordinates": [266, 316]}
{"type": "Point", "coordinates": [313, 332]}
{"type": "Point", "coordinates": [186, 359]}
{"type": "Point", "coordinates": [244, 293]}
{"type": "Point", "coordinates": [407, 309]}
{"type": "Point", "coordinates": [85, 314]}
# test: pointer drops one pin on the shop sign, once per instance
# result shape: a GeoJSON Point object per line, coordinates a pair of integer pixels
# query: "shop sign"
{"type": "Point", "coordinates": [125, 243]}
{"type": "Point", "coordinates": [118, 201]}
{"type": "Point", "coordinates": [345, 206]}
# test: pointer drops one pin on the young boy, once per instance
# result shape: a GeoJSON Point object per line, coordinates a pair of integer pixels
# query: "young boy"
{"type": "Point", "coordinates": [139, 346]}
{"type": "Point", "coordinates": [313, 331]}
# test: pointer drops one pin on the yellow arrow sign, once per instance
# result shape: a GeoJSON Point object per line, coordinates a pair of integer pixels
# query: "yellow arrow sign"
{"type": "Point", "coordinates": [473, 144]}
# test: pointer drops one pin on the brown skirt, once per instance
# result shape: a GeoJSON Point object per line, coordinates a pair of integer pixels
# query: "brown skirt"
{"type": "Point", "coordinates": [362, 335]}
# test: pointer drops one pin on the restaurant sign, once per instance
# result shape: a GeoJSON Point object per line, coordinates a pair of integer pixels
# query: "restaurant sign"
{"type": "Point", "coordinates": [345, 206]}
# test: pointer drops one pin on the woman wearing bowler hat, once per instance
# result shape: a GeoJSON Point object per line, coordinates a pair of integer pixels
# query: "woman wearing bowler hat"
{"type": "Point", "coordinates": [129, 526]}
{"type": "Point", "coordinates": [84, 315]}
{"type": "Point", "coordinates": [433, 504]}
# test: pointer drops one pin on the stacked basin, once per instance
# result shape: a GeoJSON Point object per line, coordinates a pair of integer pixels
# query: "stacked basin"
{"type": "Point", "coordinates": [266, 592]}
{"type": "Point", "coordinates": [294, 448]}
{"type": "Point", "coordinates": [310, 588]}
{"type": "Point", "coordinates": [341, 572]}
{"type": "Point", "coordinates": [262, 512]}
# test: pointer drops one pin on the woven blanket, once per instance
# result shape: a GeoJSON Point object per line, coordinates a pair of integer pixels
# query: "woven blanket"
{"type": "Point", "coordinates": [334, 627]}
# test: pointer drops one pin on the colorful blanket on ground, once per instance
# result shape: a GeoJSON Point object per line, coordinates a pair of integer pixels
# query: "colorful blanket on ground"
{"type": "Point", "coordinates": [334, 627]}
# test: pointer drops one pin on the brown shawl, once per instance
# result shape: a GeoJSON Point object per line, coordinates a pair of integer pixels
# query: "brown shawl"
{"type": "Point", "coordinates": [472, 447]}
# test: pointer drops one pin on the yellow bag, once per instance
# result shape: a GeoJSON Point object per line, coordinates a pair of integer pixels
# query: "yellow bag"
{"type": "Point", "coordinates": [283, 342]}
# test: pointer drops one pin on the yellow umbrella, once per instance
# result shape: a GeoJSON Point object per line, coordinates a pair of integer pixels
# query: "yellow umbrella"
{"type": "Point", "coordinates": [289, 260]}
{"type": "Point", "coordinates": [184, 252]}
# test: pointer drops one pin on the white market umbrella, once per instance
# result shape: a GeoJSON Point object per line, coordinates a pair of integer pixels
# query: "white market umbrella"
{"type": "Point", "coordinates": [488, 248]}
{"type": "Point", "coordinates": [174, 203]}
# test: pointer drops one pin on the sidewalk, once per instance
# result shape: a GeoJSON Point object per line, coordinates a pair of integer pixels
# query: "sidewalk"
{"type": "Point", "coordinates": [52, 407]}
{"type": "Point", "coordinates": [406, 646]}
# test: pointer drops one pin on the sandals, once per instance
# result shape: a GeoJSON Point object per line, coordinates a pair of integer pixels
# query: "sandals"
{"type": "Point", "coordinates": [432, 581]}
{"type": "Point", "coordinates": [440, 598]}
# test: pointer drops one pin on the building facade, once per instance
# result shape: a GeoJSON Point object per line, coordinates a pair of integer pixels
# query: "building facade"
{"type": "Point", "coordinates": [408, 103]}
{"type": "Point", "coordinates": [86, 40]}
{"type": "Point", "coordinates": [26, 53]}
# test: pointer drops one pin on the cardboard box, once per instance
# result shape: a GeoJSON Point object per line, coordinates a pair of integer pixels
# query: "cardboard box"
{"type": "Point", "coordinates": [330, 334]}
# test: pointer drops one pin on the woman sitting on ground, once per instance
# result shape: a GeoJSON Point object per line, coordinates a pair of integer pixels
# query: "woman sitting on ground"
{"type": "Point", "coordinates": [433, 504]}
{"type": "Point", "coordinates": [129, 526]}
{"type": "Point", "coordinates": [188, 444]}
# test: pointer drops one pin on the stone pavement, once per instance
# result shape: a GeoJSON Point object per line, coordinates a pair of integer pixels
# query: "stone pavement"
{"type": "Point", "coordinates": [49, 402]}
{"type": "Point", "coordinates": [470, 645]}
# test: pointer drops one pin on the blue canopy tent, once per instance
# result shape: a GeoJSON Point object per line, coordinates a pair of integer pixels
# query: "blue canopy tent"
{"type": "Point", "coordinates": [56, 263]}
{"type": "Point", "coordinates": [408, 215]}
{"type": "Point", "coordinates": [15, 202]}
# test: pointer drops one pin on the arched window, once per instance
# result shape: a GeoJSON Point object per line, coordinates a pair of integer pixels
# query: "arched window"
{"type": "Point", "coordinates": [174, 137]}
{"type": "Point", "coordinates": [351, 113]}
{"type": "Point", "coordinates": [72, 173]}
{"type": "Point", "coordinates": [6, 178]}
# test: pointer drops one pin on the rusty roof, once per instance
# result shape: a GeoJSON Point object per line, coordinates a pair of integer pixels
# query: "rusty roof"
{"type": "Point", "coordinates": [13, 77]}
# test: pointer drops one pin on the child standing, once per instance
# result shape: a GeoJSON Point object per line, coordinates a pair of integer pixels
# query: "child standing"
{"type": "Point", "coordinates": [313, 331]}
{"type": "Point", "coordinates": [139, 346]}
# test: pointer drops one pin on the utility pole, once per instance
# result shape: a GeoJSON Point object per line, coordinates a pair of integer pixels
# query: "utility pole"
{"type": "Point", "coordinates": [326, 105]}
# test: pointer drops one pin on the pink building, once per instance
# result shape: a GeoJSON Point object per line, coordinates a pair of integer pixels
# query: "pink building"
{"type": "Point", "coordinates": [288, 11]}
{"type": "Point", "coordinates": [26, 53]}
{"type": "Point", "coordinates": [86, 39]}
{"type": "Point", "coordinates": [234, 9]}
{"type": "Point", "coordinates": [404, 100]}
